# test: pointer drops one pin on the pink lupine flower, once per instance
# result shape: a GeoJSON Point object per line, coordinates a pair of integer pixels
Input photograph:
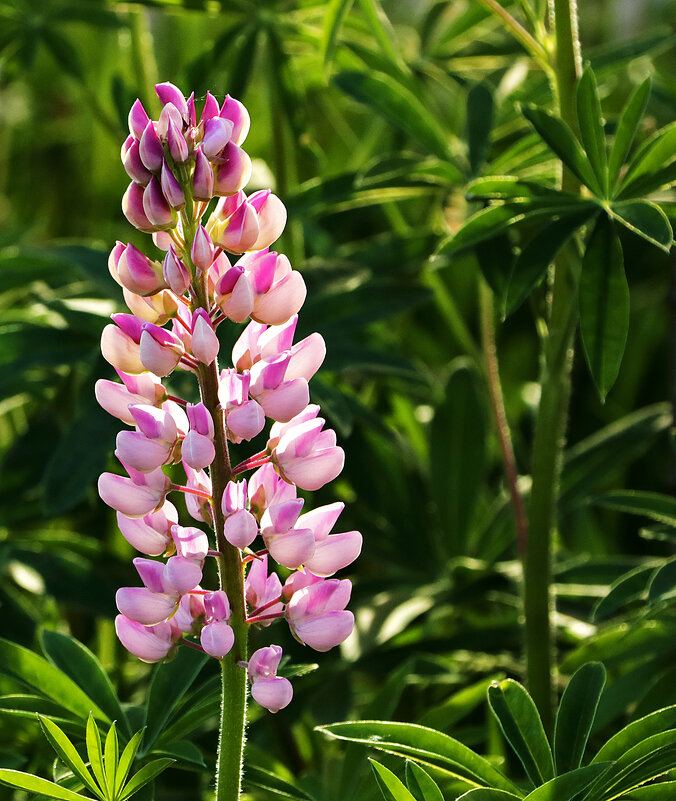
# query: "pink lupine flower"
{"type": "Point", "coordinates": [169, 93]}
{"type": "Point", "coordinates": [271, 217]}
{"type": "Point", "coordinates": [269, 690]}
{"type": "Point", "coordinates": [156, 206]}
{"type": "Point", "coordinates": [234, 295]}
{"type": "Point", "coordinates": [298, 581]}
{"type": "Point", "coordinates": [141, 452]}
{"type": "Point", "coordinates": [178, 147]}
{"type": "Point", "coordinates": [287, 544]}
{"type": "Point", "coordinates": [158, 308]}
{"type": "Point", "coordinates": [138, 119]}
{"type": "Point", "coordinates": [131, 496]}
{"type": "Point", "coordinates": [133, 165]}
{"type": "Point", "coordinates": [116, 398]}
{"type": "Point", "coordinates": [281, 399]}
{"type": "Point", "coordinates": [317, 614]}
{"type": "Point", "coordinates": [266, 488]}
{"type": "Point", "coordinates": [203, 177]}
{"type": "Point", "coordinates": [303, 453]}
{"type": "Point", "coordinates": [150, 149]}
{"type": "Point", "coordinates": [120, 350]}
{"type": "Point", "coordinates": [217, 637]}
{"type": "Point", "coordinates": [332, 552]}
{"type": "Point", "coordinates": [191, 542]}
{"type": "Point", "coordinates": [233, 171]}
{"type": "Point", "coordinates": [147, 643]}
{"type": "Point", "coordinates": [236, 227]}
{"type": "Point", "coordinates": [262, 589]}
{"type": "Point", "coordinates": [202, 250]}
{"type": "Point", "coordinates": [150, 534]}
{"type": "Point", "coordinates": [211, 109]}
{"type": "Point", "coordinates": [240, 528]}
{"type": "Point", "coordinates": [160, 351]}
{"type": "Point", "coordinates": [217, 133]}
{"type": "Point", "coordinates": [198, 446]}
{"type": "Point", "coordinates": [244, 418]}
{"type": "Point", "coordinates": [198, 507]}
{"type": "Point", "coordinates": [205, 345]}
{"type": "Point", "coordinates": [171, 188]}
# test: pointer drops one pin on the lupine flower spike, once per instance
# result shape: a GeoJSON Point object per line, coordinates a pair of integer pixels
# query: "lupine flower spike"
{"type": "Point", "coordinates": [198, 274]}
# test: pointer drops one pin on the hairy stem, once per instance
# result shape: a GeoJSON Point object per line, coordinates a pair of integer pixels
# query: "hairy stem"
{"type": "Point", "coordinates": [555, 383]}
{"type": "Point", "coordinates": [230, 570]}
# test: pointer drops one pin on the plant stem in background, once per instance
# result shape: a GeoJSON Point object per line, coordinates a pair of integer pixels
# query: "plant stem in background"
{"type": "Point", "coordinates": [487, 313]}
{"type": "Point", "coordinates": [555, 382]}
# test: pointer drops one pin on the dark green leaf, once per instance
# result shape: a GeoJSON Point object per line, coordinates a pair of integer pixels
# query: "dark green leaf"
{"type": "Point", "coordinates": [68, 754]}
{"type": "Point", "coordinates": [661, 508]}
{"type": "Point", "coordinates": [80, 664]}
{"type": "Point", "coordinates": [508, 187]}
{"type": "Point", "coordinates": [630, 587]}
{"type": "Point", "coordinates": [479, 124]}
{"type": "Point", "coordinates": [570, 785]}
{"type": "Point", "coordinates": [663, 583]}
{"type": "Point", "coordinates": [590, 124]}
{"type": "Point", "coordinates": [35, 672]}
{"type": "Point", "coordinates": [636, 732]}
{"type": "Point", "coordinates": [127, 760]}
{"type": "Point", "coordinates": [382, 30]}
{"type": "Point", "coordinates": [531, 264]}
{"type": "Point", "coordinates": [111, 754]}
{"type": "Point", "coordinates": [333, 18]}
{"type": "Point", "coordinates": [399, 106]}
{"type": "Point", "coordinates": [144, 776]}
{"type": "Point", "coordinates": [520, 723]}
{"type": "Point", "coordinates": [257, 776]}
{"type": "Point", "coordinates": [421, 785]}
{"type": "Point", "coordinates": [627, 127]}
{"type": "Point", "coordinates": [645, 219]}
{"type": "Point", "coordinates": [664, 791]}
{"type": "Point", "coordinates": [487, 794]}
{"type": "Point", "coordinates": [576, 714]}
{"type": "Point", "coordinates": [24, 781]}
{"type": "Point", "coordinates": [604, 305]}
{"type": "Point", "coordinates": [424, 745]}
{"type": "Point", "coordinates": [95, 753]}
{"type": "Point", "coordinates": [651, 159]}
{"type": "Point", "coordinates": [562, 141]}
{"type": "Point", "coordinates": [171, 680]}
{"type": "Point", "coordinates": [390, 786]}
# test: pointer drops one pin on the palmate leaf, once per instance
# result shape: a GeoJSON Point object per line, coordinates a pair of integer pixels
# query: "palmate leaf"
{"type": "Point", "coordinates": [604, 305]}
{"type": "Point", "coordinates": [575, 716]}
{"type": "Point", "coordinates": [423, 745]}
{"type": "Point", "coordinates": [68, 754]}
{"type": "Point", "coordinates": [520, 723]}
{"type": "Point", "coordinates": [590, 124]}
{"type": "Point", "coordinates": [34, 784]}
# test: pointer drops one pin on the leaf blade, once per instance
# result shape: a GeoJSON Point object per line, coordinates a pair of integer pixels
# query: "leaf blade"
{"type": "Point", "coordinates": [576, 714]}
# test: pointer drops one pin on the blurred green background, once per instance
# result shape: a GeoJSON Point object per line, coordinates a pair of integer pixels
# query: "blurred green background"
{"type": "Point", "coordinates": [369, 131]}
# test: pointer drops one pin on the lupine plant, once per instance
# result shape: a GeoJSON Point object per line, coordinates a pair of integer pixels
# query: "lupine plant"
{"type": "Point", "coordinates": [178, 164]}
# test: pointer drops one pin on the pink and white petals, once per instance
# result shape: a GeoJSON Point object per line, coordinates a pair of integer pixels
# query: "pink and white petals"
{"type": "Point", "coordinates": [130, 498]}
{"type": "Point", "coordinates": [217, 638]}
{"type": "Point", "coordinates": [317, 615]}
{"type": "Point", "coordinates": [269, 690]}
{"type": "Point", "coordinates": [147, 643]}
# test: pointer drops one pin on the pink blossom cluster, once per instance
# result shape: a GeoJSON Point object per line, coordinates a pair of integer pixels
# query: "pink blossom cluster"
{"type": "Point", "coordinates": [176, 303]}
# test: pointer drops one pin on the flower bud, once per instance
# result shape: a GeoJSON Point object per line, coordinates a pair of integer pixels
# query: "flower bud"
{"type": "Point", "coordinates": [205, 345]}
{"type": "Point", "coordinates": [121, 351]}
{"type": "Point", "coordinates": [217, 134]}
{"type": "Point", "coordinates": [138, 119]}
{"type": "Point", "coordinates": [233, 171]}
{"type": "Point", "coordinates": [128, 497]}
{"type": "Point", "coordinates": [150, 149]}
{"type": "Point", "coordinates": [160, 352]}
{"type": "Point", "coordinates": [131, 160]}
{"type": "Point", "coordinates": [145, 606]}
{"type": "Point", "coordinates": [168, 93]}
{"type": "Point", "coordinates": [171, 189]}
{"type": "Point", "coordinates": [273, 694]}
{"type": "Point", "coordinates": [235, 111]}
{"type": "Point", "coordinates": [178, 147]}
{"type": "Point", "coordinates": [203, 177]}
{"type": "Point", "coordinates": [147, 643]}
{"type": "Point", "coordinates": [211, 108]}
{"type": "Point", "coordinates": [217, 639]}
{"type": "Point", "coordinates": [138, 273]}
{"type": "Point", "coordinates": [150, 533]}
{"type": "Point", "coordinates": [217, 605]}
{"type": "Point", "coordinates": [271, 217]}
{"type": "Point", "coordinates": [132, 208]}
{"type": "Point", "coordinates": [191, 542]}
{"type": "Point", "coordinates": [175, 273]}
{"type": "Point", "coordinates": [240, 529]}
{"type": "Point", "coordinates": [156, 207]}
{"type": "Point", "coordinates": [182, 575]}
{"type": "Point", "coordinates": [113, 260]}
{"type": "Point", "coordinates": [202, 250]}
{"type": "Point", "coordinates": [158, 308]}
{"type": "Point", "coordinates": [234, 295]}
{"type": "Point", "coordinates": [239, 232]}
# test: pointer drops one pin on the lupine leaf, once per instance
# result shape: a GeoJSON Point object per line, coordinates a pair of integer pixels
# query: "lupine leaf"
{"type": "Point", "coordinates": [590, 124]}
{"type": "Point", "coordinates": [95, 753]}
{"type": "Point", "coordinates": [479, 124]}
{"type": "Point", "coordinates": [568, 786]}
{"type": "Point", "coordinates": [34, 784]}
{"type": "Point", "coordinates": [80, 664]}
{"type": "Point", "coordinates": [127, 760]}
{"type": "Point", "coordinates": [658, 507]}
{"type": "Point", "coordinates": [562, 141]}
{"type": "Point", "coordinates": [628, 124]}
{"type": "Point", "coordinates": [424, 745]}
{"type": "Point", "coordinates": [257, 776]}
{"type": "Point", "coordinates": [37, 673]}
{"type": "Point", "coordinates": [381, 29]}
{"type": "Point", "coordinates": [507, 187]}
{"type": "Point", "coordinates": [399, 106]}
{"type": "Point", "coordinates": [628, 588]}
{"type": "Point", "coordinates": [144, 776]}
{"type": "Point", "coordinates": [636, 732]}
{"type": "Point", "coordinates": [390, 786]}
{"type": "Point", "coordinates": [520, 722]}
{"type": "Point", "coordinates": [487, 794]}
{"type": "Point", "coordinates": [421, 785]}
{"type": "Point", "coordinates": [664, 791]}
{"type": "Point", "coordinates": [531, 264]}
{"type": "Point", "coordinates": [663, 583]}
{"type": "Point", "coordinates": [645, 219]}
{"type": "Point", "coordinates": [111, 754]}
{"type": "Point", "coordinates": [171, 680]}
{"type": "Point", "coordinates": [575, 716]}
{"type": "Point", "coordinates": [650, 159]}
{"type": "Point", "coordinates": [604, 305]}
{"type": "Point", "coordinates": [68, 754]}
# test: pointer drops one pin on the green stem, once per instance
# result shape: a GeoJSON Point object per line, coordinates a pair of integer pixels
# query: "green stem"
{"type": "Point", "coordinates": [530, 44]}
{"type": "Point", "coordinates": [555, 383]}
{"type": "Point", "coordinates": [230, 568]}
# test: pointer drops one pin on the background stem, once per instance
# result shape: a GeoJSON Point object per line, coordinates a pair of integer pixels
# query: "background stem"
{"type": "Point", "coordinates": [555, 383]}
